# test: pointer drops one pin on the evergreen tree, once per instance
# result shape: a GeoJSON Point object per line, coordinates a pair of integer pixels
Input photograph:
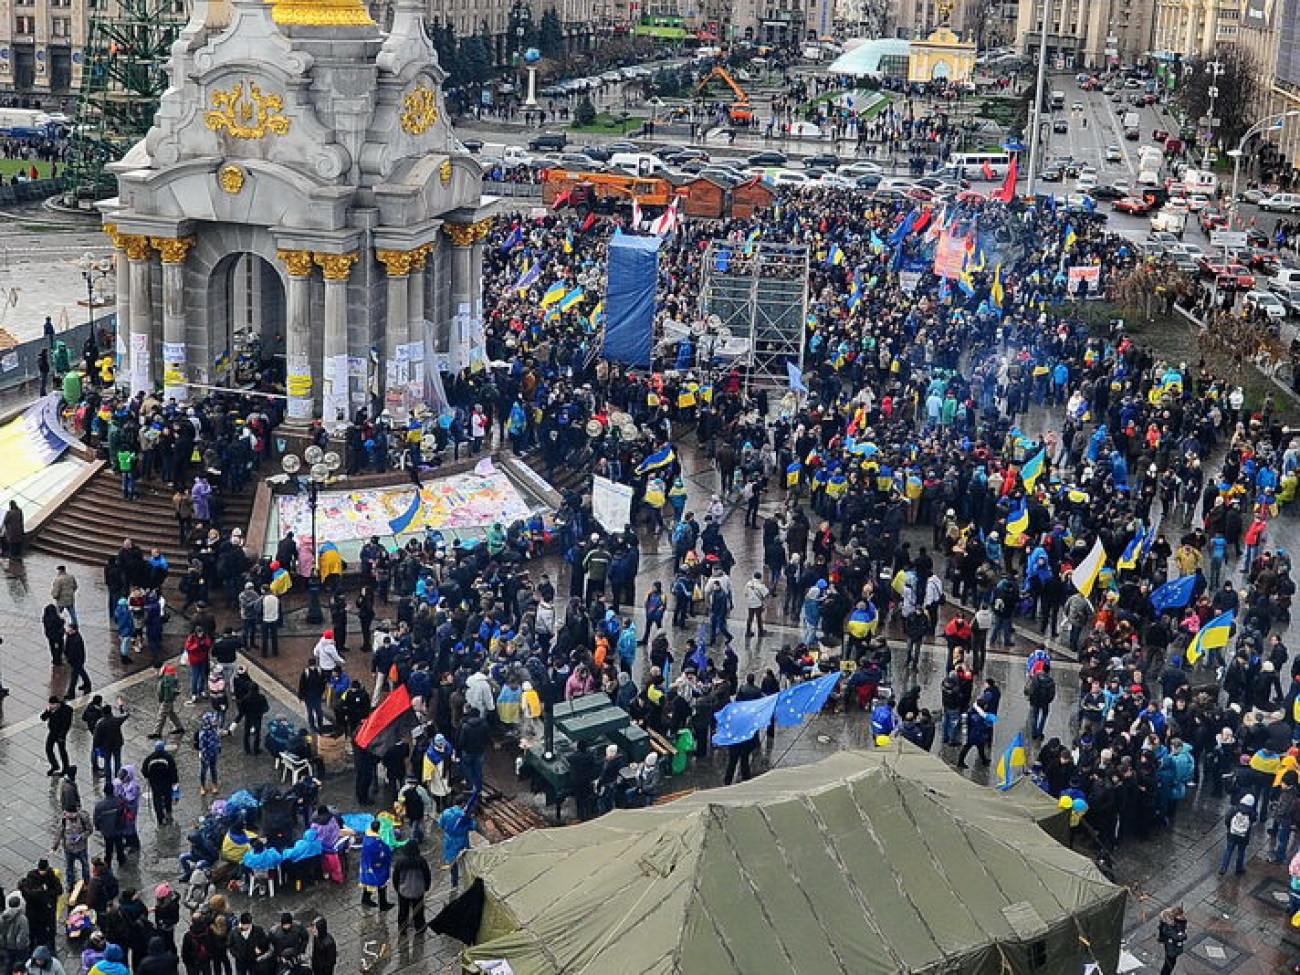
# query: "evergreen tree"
{"type": "Point", "coordinates": [584, 113]}
{"type": "Point", "coordinates": [473, 62]}
{"type": "Point", "coordinates": [550, 36]}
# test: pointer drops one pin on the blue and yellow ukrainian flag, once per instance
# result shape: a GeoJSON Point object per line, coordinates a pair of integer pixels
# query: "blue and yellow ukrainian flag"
{"type": "Point", "coordinates": [1211, 636]}
{"type": "Point", "coordinates": [572, 298]}
{"type": "Point", "coordinates": [554, 293]}
{"type": "Point", "coordinates": [1018, 521]}
{"type": "Point", "coordinates": [1033, 469]}
{"type": "Point", "coordinates": [530, 275]}
{"type": "Point", "coordinates": [1013, 757]}
{"type": "Point", "coordinates": [1070, 236]}
{"type": "Point", "coordinates": [1132, 552]}
{"type": "Point", "coordinates": [835, 255]}
{"type": "Point", "coordinates": [662, 457]}
{"type": "Point", "coordinates": [995, 292]}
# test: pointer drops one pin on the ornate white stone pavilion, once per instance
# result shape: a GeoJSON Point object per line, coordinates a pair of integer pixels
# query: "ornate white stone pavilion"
{"type": "Point", "coordinates": [302, 187]}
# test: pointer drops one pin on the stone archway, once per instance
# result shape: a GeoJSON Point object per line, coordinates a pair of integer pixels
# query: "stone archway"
{"type": "Point", "coordinates": [246, 318]}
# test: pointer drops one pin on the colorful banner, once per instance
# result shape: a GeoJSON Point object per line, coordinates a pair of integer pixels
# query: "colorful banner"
{"type": "Point", "coordinates": [1089, 273]}
{"type": "Point", "coordinates": [459, 501]}
{"type": "Point", "coordinates": [950, 255]}
{"type": "Point", "coordinates": [32, 441]}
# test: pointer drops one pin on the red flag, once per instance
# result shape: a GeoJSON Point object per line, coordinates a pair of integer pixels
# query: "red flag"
{"type": "Point", "coordinates": [988, 170]}
{"type": "Point", "coordinates": [561, 198]}
{"type": "Point", "coordinates": [1008, 191]}
{"type": "Point", "coordinates": [586, 224]}
{"type": "Point", "coordinates": [387, 723]}
{"type": "Point", "coordinates": [922, 220]}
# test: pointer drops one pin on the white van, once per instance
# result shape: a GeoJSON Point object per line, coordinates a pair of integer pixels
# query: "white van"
{"type": "Point", "coordinates": [1287, 276]}
{"type": "Point", "coordinates": [637, 163]}
{"type": "Point", "coordinates": [979, 165]}
{"type": "Point", "coordinates": [1282, 202]}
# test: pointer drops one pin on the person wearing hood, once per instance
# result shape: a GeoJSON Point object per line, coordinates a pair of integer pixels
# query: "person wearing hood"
{"type": "Point", "coordinates": [93, 953]}
{"type": "Point", "coordinates": [324, 949]}
{"type": "Point", "coordinates": [44, 963]}
{"type": "Point", "coordinates": [438, 760]}
{"type": "Point", "coordinates": [376, 867]}
{"type": "Point", "coordinates": [14, 931]}
{"type": "Point", "coordinates": [113, 962]}
{"type": "Point", "coordinates": [411, 880]}
{"type": "Point", "coordinates": [127, 788]}
{"type": "Point", "coordinates": [207, 741]}
{"type": "Point", "coordinates": [1239, 822]}
{"type": "Point", "coordinates": [196, 946]}
{"type": "Point", "coordinates": [327, 655]}
{"type": "Point", "coordinates": [160, 959]}
{"type": "Point", "coordinates": [456, 823]}
{"type": "Point", "coordinates": [478, 695]}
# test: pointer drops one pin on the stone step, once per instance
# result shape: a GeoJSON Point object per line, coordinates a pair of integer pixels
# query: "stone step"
{"type": "Point", "coordinates": [91, 525]}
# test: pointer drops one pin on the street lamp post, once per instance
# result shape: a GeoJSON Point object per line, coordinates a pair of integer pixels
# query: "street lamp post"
{"type": "Point", "coordinates": [92, 272]}
{"type": "Point", "coordinates": [1035, 113]}
{"type": "Point", "coordinates": [320, 469]}
{"type": "Point", "coordinates": [1264, 123]}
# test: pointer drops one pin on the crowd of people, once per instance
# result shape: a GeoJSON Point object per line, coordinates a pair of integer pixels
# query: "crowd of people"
{"type": "Point", "coordinates": [936, 486]}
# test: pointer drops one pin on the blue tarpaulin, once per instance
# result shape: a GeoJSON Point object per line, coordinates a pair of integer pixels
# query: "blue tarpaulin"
{"type": "Point", "coordinates": [630, 299]}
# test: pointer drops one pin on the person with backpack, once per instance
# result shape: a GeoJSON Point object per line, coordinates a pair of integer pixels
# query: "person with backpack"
{"type": "Point", "coordinates": [169, 689]}
{"type": "Point", "coordinates": [72, 836]}
{"type": "Point", "coordinates": [1040, 689]}
{"type": "Point", "coordinates": [14, 931]}
{"type": "Point", "coordinates": [1240, 823]}
{"type": "Point", "coordinates": [411, 880]}
{"type": "Point", "coordinates": [655, 605]}
{"type": "Point", "coordinates": [683, 592]}
{"type": "Point", "coordinates": [160, 771]}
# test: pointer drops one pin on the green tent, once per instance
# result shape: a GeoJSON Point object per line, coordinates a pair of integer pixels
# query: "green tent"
{"type": "Point", "coordinates": [870, 863]}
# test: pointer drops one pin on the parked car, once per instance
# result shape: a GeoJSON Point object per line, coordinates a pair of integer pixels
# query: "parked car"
{"type": "Point", "coordinates": [1135, 205]}
{"type": "Point", "coordinates": [823, 160]}
{"type": "Point", "coordinates": [1281, 203]}
{"type": "Point", "coordinates": [768, 157]}
{"type": "Point", "coordinates": [472, 145]}
{"type": "Point", "coordinates": [1267, 302]}
{"type": "Point", "coordinates": [548, 142]}
{"type": "Point", "coordinates": [1289, 295]}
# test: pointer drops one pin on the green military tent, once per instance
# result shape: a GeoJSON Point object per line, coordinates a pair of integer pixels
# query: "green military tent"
{"type": "Point", "coordinates": [870, 863]}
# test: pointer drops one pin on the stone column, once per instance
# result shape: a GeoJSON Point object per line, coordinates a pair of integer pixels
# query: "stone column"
{"type": "Point", "coordinates": [456, 340]}
{"type": "Point", "coordinates": [140, 328]}
{"type": "Point", "coordinates": [336, 269]}
{"type": "Point", "coordinates": [421, 359]}
{"type": "Point", "coordinates": [397, 327]}
{"type": "Point", "coordinates": [122, 283]}
{"type": "Point", "coordinates": [175, 356]}
{"type": "Point", "coordinates": [297, 336]}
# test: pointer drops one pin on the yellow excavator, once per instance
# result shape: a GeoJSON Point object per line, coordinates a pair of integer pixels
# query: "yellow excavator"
{"type": "Point", "coordinates": [739, 110]}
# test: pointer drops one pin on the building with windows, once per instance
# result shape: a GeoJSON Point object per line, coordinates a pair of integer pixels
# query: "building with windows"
{"type": "Point", "coordinates": [1088, 34]}
{"type": "Point", "coordinates": [1195, 28]}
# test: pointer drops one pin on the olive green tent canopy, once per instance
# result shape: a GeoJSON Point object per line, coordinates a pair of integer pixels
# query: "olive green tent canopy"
{"type": "Point", "coordinates": [871, 863]}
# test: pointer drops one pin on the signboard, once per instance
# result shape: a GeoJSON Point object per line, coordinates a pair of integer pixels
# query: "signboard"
{"type": "Point", "coordinates": [1089, 274]}
{"type": "Point", "coordinates": [611, 503]}
{"type": "Point", "coordinates": [908, 280]}
{"type": "Point", "coordinates": [1228, 238]}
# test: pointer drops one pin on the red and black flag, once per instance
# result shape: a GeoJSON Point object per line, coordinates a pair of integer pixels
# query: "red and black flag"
{"type": "Point", "coordinates": [388, 724]}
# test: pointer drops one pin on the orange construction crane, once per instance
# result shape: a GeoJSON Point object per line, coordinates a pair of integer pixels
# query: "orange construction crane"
{"type": "Point", "coordinates": [740, 110]}
{"type": "Point", "coordinates": [603, 191]}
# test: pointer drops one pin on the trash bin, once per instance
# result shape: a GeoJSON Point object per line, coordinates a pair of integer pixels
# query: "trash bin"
{"type": "Point", "coordinates": [685, 745]}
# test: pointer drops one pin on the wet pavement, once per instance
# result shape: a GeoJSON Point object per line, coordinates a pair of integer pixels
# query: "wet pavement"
{"type": "Point", "coordinates": [1236, 924]}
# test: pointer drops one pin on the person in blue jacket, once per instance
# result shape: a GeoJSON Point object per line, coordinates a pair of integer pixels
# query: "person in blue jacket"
{"type": "Point", "coordinates": [376, 865]}
{"type": "Point", "coordinates": [456, 823]}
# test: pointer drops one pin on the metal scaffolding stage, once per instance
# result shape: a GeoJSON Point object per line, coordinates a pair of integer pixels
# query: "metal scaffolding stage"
{"type": "Point", "coordinates": [756, 293]}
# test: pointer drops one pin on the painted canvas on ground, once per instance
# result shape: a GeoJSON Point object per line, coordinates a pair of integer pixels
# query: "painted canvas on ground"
{"type": "Point", "coordinates": [459, 501]}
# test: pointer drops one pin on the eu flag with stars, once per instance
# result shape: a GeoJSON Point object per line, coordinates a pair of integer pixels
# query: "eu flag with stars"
{"type": "Point", "coordinates": [798, 701]}
{"type": "Point", "coordinates": [740, 721]}
{"type": "Point", "coordinates": [1174, 594]}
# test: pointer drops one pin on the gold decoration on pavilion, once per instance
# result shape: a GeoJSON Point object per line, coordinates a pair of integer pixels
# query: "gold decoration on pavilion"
{"type": "Point", "coordinates": [297, 263]}
{"type": "Point", "coordinates": [336, 267]}
{"type": "Point", "coordinates": [230, 178]}
{"type": "Point", "coordinates": [244, 111]}
{"type": "Point", "coordinates": [172, 250]}
{"type": "Point", "coordinates": [419, 110]}
{"type": "Point", "coordinates": [321, 13]}
{"type": "Point", "coordinates": [396, 263]}
{"type": "Point", "coordinates": [135, 245]}
{"type": "Point", "coordinates": [444, 171]}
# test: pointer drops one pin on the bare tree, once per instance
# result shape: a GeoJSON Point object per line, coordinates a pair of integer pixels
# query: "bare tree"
{"type": "Point", "coordinates": [1238, 87]}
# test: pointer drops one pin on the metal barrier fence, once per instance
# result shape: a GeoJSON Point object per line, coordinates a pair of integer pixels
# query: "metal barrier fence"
{"type": "Point", "coordinates": [30, 190]}
{"type": "Point", "coordinates": [493, 187]}
{"type": "Point", "coordinates": [18, 364]}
